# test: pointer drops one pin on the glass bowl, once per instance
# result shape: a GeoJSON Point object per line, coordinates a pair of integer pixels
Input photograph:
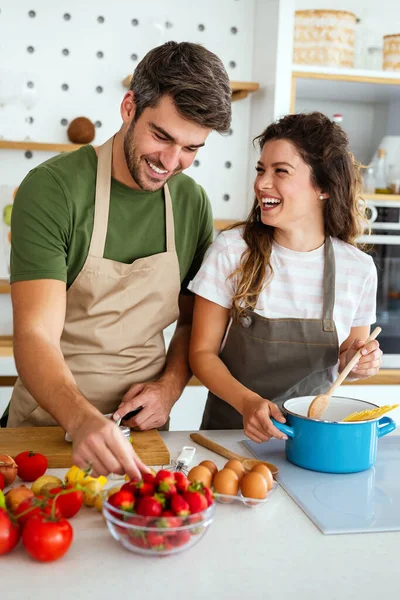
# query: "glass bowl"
{"type": "Point", "coordinates": [156, 536]}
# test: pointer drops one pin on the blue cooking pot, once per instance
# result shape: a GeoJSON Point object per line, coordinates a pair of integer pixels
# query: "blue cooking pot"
{"type": "Point", "coordinates": [330, 446]}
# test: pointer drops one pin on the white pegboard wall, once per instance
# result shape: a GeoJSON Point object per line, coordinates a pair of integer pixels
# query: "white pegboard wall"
{"type": "Point", "coordinates": [59, 61]}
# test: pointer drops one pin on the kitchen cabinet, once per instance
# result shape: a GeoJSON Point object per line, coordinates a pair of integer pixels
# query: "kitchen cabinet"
{"type": "Point", "coordinates": [368, 100]}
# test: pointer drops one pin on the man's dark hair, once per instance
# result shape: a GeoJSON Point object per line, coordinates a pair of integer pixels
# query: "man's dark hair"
{"type": "Point", "coordinates": [192, 76]}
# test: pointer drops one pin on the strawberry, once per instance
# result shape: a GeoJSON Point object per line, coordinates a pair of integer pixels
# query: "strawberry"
{"type": "Point", "coordinates": [156, 540]}
{"type": "Point", "coordinates": [181, 537]}
{"type": "Point", "coordinates": [164, 475]}
{"type": "Point", "coordinates": [145, 488]}
{"type": "Point", "coordinates": [169, 522]}
{"type": "Point", "coordinates": [150, 506]}
{"type": "Point", "coordinates": [149, 478]}
{"type": "Point", "coordinates": [209, 495]}
{"type": "Point", "coordinates": [196, 500]}
{"type": "Point", "coordinates": [123, 500]}
{"type": "Point", "coordinates": [179, 505]}
{"type": "Point", "coordinates": [181, 482]}
{"type": "Point", "coordinates": [167, 488]}
{"type": "Point", "coordinates": [131, 486]}
{"type": "Point", "coordinates": [168, 513]}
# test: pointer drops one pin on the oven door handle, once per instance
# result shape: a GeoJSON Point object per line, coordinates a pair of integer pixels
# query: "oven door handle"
{"type": "Point", "coordinates": [379, 239]}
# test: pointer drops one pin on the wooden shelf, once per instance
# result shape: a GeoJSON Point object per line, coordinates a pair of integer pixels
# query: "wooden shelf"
{"type": "Point", "coordinates": [388, 197]}
{"type": "Point", "coordinates": [354, 75]}
{"type": "Point", "coordinates": [240, 89]}
{"type": "Point", "coordinates": [44, 147]}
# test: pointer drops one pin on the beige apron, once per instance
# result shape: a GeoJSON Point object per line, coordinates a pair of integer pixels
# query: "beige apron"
{"type": "Point", "coordinates": [115, 315]}
{"type": "Point", "coordinates": [279, 358]}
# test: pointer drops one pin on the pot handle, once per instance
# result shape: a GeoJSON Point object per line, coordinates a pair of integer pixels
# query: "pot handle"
{"type": "Point", "coordinates": [284, 428]}
{"type": "Point", "coordinates": [385, 425]}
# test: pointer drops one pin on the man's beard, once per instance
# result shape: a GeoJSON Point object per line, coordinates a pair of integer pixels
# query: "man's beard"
{"type": "Point", "coordinates": [134, 163]}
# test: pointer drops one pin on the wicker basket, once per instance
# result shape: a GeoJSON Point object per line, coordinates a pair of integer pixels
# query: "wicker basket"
{"type": "Point", "coordinates": [391, 52]}
{"type": "Point", "coordinates": [324, 37]}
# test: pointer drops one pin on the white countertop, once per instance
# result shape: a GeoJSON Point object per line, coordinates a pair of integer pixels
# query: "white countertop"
{"type": "Point", "coordinates": [272, 551]}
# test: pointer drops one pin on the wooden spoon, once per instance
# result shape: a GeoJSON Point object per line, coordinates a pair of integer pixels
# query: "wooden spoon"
{"type": "Point", "coordinates": [248, 463]}
{"type": "Point", "coordinates": [320, 403]}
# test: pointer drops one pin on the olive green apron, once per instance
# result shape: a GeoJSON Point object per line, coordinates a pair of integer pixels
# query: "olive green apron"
{"type": "Point", "coordinates": [279, 358]}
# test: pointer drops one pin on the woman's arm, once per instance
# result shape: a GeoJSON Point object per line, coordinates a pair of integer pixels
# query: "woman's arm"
{"type": "Point", "coordinates": [369, 363]}
{"type": "Point", "coordinates": [210, 321]}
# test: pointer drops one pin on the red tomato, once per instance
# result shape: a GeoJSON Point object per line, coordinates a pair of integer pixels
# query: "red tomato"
{"type": "Point", "coordinates": [34, 506]}
{"type": "Point", "coordinates": [47, 539]}
{"type": "Point", "coordinates": [31, 465]}
{"type": "Point", "coordinates": [9, 533]}
{"type": "Point", "coordinates": [1, 482]}
{"type": "Point", "coordinates": [68, 504]}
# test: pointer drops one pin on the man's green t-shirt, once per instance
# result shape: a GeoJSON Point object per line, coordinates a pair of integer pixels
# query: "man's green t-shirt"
{"type": "Point", "coordinates": [53, 211]}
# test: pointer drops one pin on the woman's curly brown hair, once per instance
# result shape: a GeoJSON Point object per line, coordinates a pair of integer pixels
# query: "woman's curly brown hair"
{"type": "Point", "coordinates": [324, 147]}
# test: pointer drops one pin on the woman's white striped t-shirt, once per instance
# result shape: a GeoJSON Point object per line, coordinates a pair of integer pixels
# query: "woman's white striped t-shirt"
{"type": "Point", "coordinates": [296, 288]}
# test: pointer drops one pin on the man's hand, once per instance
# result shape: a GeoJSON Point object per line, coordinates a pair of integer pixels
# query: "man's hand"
{"type": "Point", "coordinates": [155, 399]}
{"type": "Point", "coordinates": [97, 441]}
{"type": "Point", "coordinates": [257, 423]}
{"type": "Point", "coordinates": [370, 361]}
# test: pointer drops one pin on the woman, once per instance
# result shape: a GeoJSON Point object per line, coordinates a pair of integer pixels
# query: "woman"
{"type": "Point", "coordinates": [285, 299]}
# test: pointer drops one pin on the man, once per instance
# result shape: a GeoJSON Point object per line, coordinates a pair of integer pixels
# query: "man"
{"type": "Point", "coordinates": [102, 250]}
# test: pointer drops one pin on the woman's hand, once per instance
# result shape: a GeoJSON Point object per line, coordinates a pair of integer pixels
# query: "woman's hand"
{"type": "Point", "coordinates": [257, 423]}
{"type": "Point", "coordinates": [370, 361]}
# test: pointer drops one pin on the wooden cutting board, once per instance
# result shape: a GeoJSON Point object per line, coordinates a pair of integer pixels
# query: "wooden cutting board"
{"type": "Point", "coordinates": [50, 441]}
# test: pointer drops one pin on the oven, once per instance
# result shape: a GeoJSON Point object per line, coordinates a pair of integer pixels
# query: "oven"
{"type": "Point", "coordinates": [384, 218]}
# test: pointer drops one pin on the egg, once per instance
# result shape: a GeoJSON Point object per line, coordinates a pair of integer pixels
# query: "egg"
{"type": "Point", "coordinates": [226, 482]}
{"type": "Point", "coordinates": [200, 473]}
{"type": "Point", "coordinates": [253, 485]}
{"type": "Point", "coordinates": [266, 473]}
{"type": "Point", "coordinates": [236, 466]}
{"type": "Point", "coordinates": [212, 467]}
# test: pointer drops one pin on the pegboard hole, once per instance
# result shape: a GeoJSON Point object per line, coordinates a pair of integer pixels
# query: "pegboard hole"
{"type": "Point", "coordinates": [32, 14]}
{"type": "Point", "coordinates": [100, 54]}
{"type": "Point", "coordinates": [134, 57]}
{"type": "Point", "coordinates": [201, 27]}
{"type": "Point", "coordinates": [64, 122]}
{"type": "Point", "coordinates": [230, 132]}
{"type": "Point", "coordinates": [30, 85]}
{"type": "Point", "coordinates": [65, 51]}
{"type": "Point", "coordinates": [65, 87]}
{"type": "Point", "coordinates": [168, 25]}
{"type": "Point", "coordinates": [196, 163]}
{"type": "Point", "coordinates": [234, 30]}
{"type": "Point", "coordinates": [226, 197]}
{"type": "Point", "coordinates": [232, 64]}
{"type": "Point", "coordinates": [228, 164]}
{"type": "Point", "coordinates": [66, 17]}
{"type": "Point", "coordinates": [99, 89]}
{"type": "Point", "coordinates": [29, 120]}
{"type": "Point", "coordinates": [30, 49]}
{"type": "Point", "coordinates": [135, 22]}
{"type": "Point", "coordinates": [28, 154]}
{"type": "Point", "coordinates": [98, 124]}
{"type": "Point", "coordinates": [100, 19]}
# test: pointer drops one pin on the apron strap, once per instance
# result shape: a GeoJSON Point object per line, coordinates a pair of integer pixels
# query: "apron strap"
{"type": "Point", "coordinates": [169, 220]}
{"type": "Point", "coordinates": [102, 200]}
{"type": "Point", "coordinates": [329, 286]}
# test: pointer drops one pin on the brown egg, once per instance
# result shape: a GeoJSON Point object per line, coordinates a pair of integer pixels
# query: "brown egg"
{"type": "Point", "coordinates": [212, 467]}
{"type": "Point", "coordinates": [266, 473]}
{"type": "Point", "coordinates": [236, 466]}
{"type": "Point", "coordinates": [226, 482]}
{"type": "Point", "coordinates": [200, 473]}
{"type": "Point", "coordinates": [253, 485]}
